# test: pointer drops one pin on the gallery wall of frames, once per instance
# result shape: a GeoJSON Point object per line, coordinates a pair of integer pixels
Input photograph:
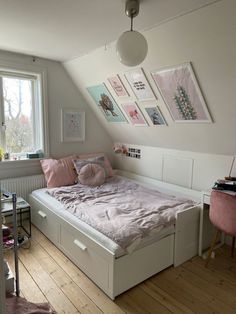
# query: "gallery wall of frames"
{"type": "Point", "coordinates": [177, 86]}
{"type": "Point", "coordinates": [181, 96]}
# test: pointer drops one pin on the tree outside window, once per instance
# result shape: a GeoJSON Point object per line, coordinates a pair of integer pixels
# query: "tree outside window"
{"type": "Point", "coordinates": [17, 102]}
{"type": "Point", "coordinates": [22, 113]}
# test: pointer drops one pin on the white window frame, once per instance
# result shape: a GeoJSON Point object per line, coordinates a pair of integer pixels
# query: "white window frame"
{"type": "Point", "coordinates": [40, 92]}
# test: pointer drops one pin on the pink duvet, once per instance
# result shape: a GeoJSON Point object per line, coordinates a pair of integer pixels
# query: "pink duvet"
{"type": "Point", "coordinates": [121, 209]}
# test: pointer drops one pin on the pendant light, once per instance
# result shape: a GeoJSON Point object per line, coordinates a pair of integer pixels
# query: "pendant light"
{"type": "Point", "coordinates": [132, 46]}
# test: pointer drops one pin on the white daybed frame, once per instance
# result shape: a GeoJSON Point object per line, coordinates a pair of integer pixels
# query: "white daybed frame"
{"type": "Point", "coordinates": [116, 275]}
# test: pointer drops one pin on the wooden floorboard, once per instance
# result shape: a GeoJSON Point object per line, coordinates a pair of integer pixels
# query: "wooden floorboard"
{"type": "Point", "coordinates": [47, 275]}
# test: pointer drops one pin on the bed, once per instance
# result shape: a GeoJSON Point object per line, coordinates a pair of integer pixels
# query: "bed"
{"type": "Point", "coordinates": [112, 267]}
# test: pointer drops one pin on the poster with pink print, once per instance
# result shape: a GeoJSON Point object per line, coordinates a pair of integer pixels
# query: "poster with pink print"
{"type": "Point", "coordinates": [118, 86]}
{"type": "Point", "coordinates": [134, 114]}
{"type": "Point", "coordinates": [181, 93]}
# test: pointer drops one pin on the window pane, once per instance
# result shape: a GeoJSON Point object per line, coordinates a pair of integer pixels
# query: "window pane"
{"type": "Point", "coordinates": [17, 97]}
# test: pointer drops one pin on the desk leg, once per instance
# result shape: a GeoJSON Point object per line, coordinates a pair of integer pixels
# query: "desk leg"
{"type": "Point", "coordinates": [20, 217]}
{"type": "Point", "coordinates": [200, 231]}
{"type": "Point", "coordinates": [30, 221]}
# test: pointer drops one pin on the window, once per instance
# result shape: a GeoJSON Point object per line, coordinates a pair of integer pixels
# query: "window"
{"type": "Point", "coordinates": [21, 114]}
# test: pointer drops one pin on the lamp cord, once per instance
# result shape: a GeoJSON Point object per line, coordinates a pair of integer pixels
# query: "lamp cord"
{"type": "Point", "coordinates": [131, 27]}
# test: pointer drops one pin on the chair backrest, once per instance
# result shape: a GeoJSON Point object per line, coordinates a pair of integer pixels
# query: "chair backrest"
{"type": "Point", "coordinates": [223, 211]}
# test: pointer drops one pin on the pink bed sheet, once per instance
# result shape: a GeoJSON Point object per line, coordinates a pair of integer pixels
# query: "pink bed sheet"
{"type": "Point", "coordinates": [121, 209]}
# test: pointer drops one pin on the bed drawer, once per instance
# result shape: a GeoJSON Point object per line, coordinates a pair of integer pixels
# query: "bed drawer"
{"type": "Point", "coordinates": [80, 250]}
{"type": "Point", "coordinates": [46, 222]}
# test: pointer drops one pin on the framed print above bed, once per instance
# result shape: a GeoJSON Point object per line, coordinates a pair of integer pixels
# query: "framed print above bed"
{"type": "Point", "coordinates": [106, 103]}
{"type": "Point", "coordinates": [155, 115]}
{"type": "Point", "coordinates": [72, 125]}
{"type": "Point", "coordinates": [181, 93]}
{"type": "Point", "coordinates": [118, 86]}
{"type": "Point", "coordinates": [134, 114]}
{"type": "Point", "coordinates": [139, 84]}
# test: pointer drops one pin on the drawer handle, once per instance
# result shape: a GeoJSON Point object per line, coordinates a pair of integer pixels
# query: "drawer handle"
{"type": "Point", "coordinates": [42, 214]}
{"type": "Point", "coordinates": [80, 245]}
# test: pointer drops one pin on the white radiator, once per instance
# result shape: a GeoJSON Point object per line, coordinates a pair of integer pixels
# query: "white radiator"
{"type": "Point", "coordinates": [23, 186]}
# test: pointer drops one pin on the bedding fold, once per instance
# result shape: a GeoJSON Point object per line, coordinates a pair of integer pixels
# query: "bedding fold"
{"type": "Point", "coordinates": [121, 209]}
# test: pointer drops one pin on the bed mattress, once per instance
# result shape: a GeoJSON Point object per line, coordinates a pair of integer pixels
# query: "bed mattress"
{"type": "Point", "coordinates": [58, 208]}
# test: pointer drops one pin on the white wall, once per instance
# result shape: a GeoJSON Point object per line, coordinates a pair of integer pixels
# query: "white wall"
{"type": "Point", "coordinates": [61, 93]}
{"type": "Point", "coordinates": [205, 37]}
{"type": "Point", "coordinates": [197, 171]}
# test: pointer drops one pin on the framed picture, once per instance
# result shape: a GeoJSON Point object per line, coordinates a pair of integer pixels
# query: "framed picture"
{"type": "Point", "coordinates": [106, 103]}
{"type": "Point", "coordinates": [139, 84]}
{"type": "Point", "coordinates": [181, 93]}
{"type": "Point", "coordinates": [72, 125]}
{"type": "Point", "coordinates": [134, 114]}
{"type": "Point", "coordinates": [118, 86]}
{"type": "Point", "coordinates": [155, 115]}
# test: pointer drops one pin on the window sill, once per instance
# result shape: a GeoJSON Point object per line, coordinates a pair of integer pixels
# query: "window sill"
{"type": "Point", "coordinates": [18, 168]}
{"type": "Point", "coordinates": [20, 162]}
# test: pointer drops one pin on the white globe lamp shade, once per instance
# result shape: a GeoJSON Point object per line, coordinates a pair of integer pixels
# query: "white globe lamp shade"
{"type": "Point", "coordinates": [131, 48]}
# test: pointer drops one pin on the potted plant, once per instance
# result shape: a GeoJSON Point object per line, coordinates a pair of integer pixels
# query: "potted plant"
{"type": "Point", "coordinates": [1, 154]}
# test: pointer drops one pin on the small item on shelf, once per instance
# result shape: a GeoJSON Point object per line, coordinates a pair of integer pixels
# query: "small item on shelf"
{"type": "Point", "coordinates": [8, 239]}
{"type": "Point", "coordinates": [225, 185]}
{"type": "Point", "coordinates": [32, 155]}
{"type": "Point", "coordinates": [20, 239]}
{"type": "Point", "coordinates": [8, 242]}
{"type": "Point", "coordinates": [40, 153]}
{"type": "Point", "coordinates": [6, 231]}
{"type": "Point", "coordinates": [6, 156]}
{"type": "Point", "coordinates": [6, 194]}
{"type": "Point", "coordinates": [230, 178]}
{"type": "Point", "coordinates": [229, 182]}
{"type": "Point", "coordinates": [1, 153]}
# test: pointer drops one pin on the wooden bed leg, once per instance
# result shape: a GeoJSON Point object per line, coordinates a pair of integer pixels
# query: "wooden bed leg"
{"type": "Point", "coordinates": [212, 247]}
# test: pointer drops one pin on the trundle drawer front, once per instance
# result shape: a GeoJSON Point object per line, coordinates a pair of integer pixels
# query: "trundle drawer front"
{"type": "Point", "coordinates": [80, 251]}
{"type": "Point", "coordinates": [46, 222]}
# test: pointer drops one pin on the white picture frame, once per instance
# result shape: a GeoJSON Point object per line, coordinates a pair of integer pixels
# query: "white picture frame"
{"type": "Point", "coordinates": [72, 125]}
{"type": "Point", "coordinates": [140, 85]}
{"type": "Point", "coordinates": [181, 93]}
{"type": "Point", "coordinates": [155, 116]}
{"type": "Point", "coordinates": [106, 103]}
{"type": "Point", "coordinates": [117, 86]}
{"type": "Point", "coordinates": [134, 114]}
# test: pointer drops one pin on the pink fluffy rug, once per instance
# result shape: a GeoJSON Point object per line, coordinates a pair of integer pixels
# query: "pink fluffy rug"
{"type": "Point", "coordinates": [18, 305]}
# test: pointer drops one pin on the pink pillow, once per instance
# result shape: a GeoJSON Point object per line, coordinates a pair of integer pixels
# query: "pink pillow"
{"type": "Point", "coordinates": [108, 166]}
{"type": "Point", "coordinates": [59, 172]}
{"type": "Point", "coordinates": [79, 163]}
{"type": "Point", "coordinates": [92, 174]}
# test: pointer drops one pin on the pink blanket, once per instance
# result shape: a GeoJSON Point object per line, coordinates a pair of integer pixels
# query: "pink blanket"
{"type": "Point", "coordinates": [121, 209]}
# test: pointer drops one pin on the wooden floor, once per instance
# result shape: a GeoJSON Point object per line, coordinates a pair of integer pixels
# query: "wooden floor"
{"type": "Point", "coordinates": [46, 275]}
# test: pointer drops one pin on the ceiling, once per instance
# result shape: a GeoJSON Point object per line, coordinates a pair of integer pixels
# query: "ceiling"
{"type": "Point", "coordinates": [65, 29]}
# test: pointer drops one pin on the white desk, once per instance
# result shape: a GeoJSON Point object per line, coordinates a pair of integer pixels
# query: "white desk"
{"type": "Point", "coordinates": [206, 229]}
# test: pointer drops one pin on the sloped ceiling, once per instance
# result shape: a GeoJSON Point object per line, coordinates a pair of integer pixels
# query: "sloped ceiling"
{"type": "Point", "coordinates": [62, 30]}
{"type": "Point", "coordinates": [206, 38]}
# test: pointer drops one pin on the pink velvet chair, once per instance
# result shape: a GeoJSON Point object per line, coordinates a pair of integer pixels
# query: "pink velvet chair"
{"type": "Point", "coordinates": [223, 217]}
